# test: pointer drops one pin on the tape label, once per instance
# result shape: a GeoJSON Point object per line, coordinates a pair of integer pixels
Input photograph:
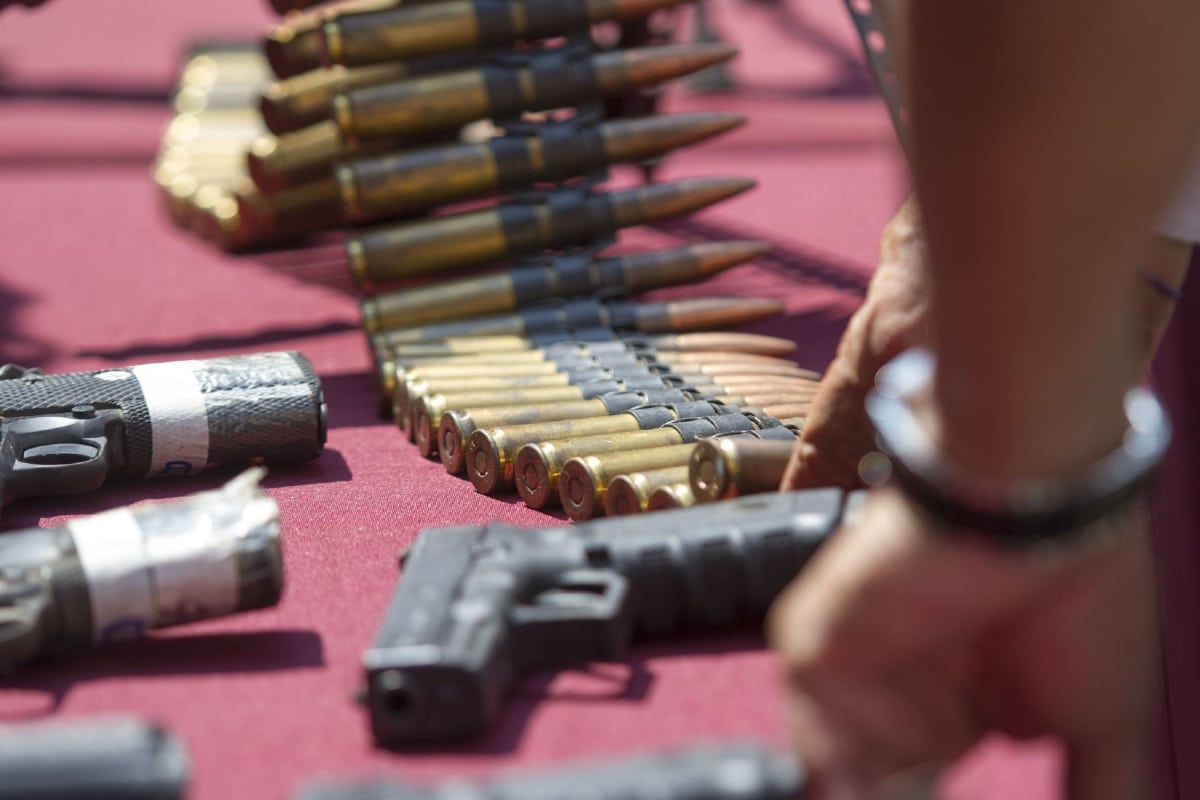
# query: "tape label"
{"type": "Point", "coordinates": [178, 418]}
{"type": "Point", "coordinates": [113, 557]}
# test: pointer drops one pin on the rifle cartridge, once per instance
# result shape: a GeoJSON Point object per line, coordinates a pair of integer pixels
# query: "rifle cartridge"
{"type": "Point", "coordinates": [291, 213]}
{"type": "Point", "coordinates": [542, 360]}
{"type": "Point", "coordinates": [391, 369]}
{"type": "Point", "coordinates": [673, 495]}
{"type": "Point", "coordinates": [424, 426]}
{"type": "Point", "coordinates": [538, 465]}
{"type": "Point", "coordinates": [673, 315]}
{"type": "Point", "coordinates": [578, 487]}
{"type": "Point", "coordinates": [388, 356]}
{"type": "Point", "coordinates": [452, 99]}
{"type": "Point", "coordinates": [405, 183]}
{"type": "Point", "coordinates": [629, 493]}
{"type": "Point", "coordinates": [723, 468]}
{"type": "Point", "coordinates": [420, 382]}
{"type": "Point", "coordinates": [427, 411]}
{"type": "Point", "coordinates": [491, 453]}
{"type": "Point", "coordinates": [294, 45]}
{"type": "Point", "coordinates": [553, 276]}
{"type": "Point", "coordinates": [392, 252]}
{"type": "Point", "coordinates": [293, 103]}
{"type": "Point", "coordinates": [583, 482]}
{"type": "Point", "coordinates": [424, 29]}
{"type": "Point", "coordinates": [409, 389]}
{"type": "Point", "coordinates": [456, 426]}
{"type": "Point", "coordinates": [727, 341]}
{"type": "Point", "coordinates": [276, 162]}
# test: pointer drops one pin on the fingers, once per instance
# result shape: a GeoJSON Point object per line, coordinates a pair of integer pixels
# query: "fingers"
{"type": "Point", "coordinates": [837, 432]}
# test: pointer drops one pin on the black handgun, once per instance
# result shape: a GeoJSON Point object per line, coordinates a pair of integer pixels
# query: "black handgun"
{"type": "Point", "coordinates": [726, 772]}
{"type": "Point", "coordinates": [479, 606]}
{"type": "Point", "coordinates": [62, 434]}
{"type": "Point", "coordinates": [114, 758]}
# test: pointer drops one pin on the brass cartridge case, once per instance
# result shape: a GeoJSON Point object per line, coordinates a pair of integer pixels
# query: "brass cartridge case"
{"type": "Point", "coordinates": [725, 467]}
{"type": "Point", "coordinates": [675, 495]}
{"type": "Point", "coordinates": [629, 493]}
{"type": "Point", "coordinates": [584, 481]}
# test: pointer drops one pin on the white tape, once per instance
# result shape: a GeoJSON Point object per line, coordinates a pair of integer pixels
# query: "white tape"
{"type": "Point", "coordinates": [113, 557]}
{"type": "Point", "coordinates": [163, 564]}
{"type": "Point", "coordinates": [178, 419]}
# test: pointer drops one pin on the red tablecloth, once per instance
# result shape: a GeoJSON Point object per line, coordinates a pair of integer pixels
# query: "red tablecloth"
{"type": "Point", "coordinates": [91, 273]}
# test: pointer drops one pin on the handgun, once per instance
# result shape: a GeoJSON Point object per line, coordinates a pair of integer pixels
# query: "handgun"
{"type": "Point", "coordinates": [479, 606]}
{"type": "Point", "coordinates": [737, 771]}
{"type": "Point", "coordinates": [62, 434]}
{"type": "Point", "coordinates": [104, 758]}
{"type": "Point", "coordinates": [152, 565]}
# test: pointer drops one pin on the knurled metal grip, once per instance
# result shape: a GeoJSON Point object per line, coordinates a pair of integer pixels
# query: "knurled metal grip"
{"type": "Point", "coordinates": [558, 78]}
{"type": "Point", "coordinates": [176, 417]}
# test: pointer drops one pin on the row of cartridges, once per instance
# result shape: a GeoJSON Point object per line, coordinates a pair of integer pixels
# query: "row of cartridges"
{"type": "Point", "coordinates": [434, 140]}
{"type": "Point", "coordinates": [401, 124]}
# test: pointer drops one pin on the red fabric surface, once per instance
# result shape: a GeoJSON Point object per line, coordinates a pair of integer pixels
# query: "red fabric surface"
{"type": "Point", "coordinates": [91, 273]}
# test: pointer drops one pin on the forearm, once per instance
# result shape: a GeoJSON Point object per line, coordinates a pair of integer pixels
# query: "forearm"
{"type": "Point", "coordinates": [1046, 138]}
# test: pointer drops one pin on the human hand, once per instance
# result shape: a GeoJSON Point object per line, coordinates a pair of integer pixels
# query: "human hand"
{"type": "Point", "coordinates": [904, 647]}
{"type": "Point", "coordinates": [892, 318]}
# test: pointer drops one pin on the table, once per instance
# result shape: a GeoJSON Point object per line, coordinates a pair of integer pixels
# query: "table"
{"type": "Point", "coordinates": [92, 274]}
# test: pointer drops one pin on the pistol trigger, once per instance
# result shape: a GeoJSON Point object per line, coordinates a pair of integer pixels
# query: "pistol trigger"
{"type": "Point", "coordinates": [585, 616]}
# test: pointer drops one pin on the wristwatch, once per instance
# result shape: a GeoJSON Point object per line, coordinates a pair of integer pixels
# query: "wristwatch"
{"type": "Point", "coordinates": [1014, 513]}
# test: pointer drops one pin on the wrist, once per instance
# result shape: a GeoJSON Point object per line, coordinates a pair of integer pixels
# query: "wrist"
{"type": "Point", "coordinates": [1011, 506]}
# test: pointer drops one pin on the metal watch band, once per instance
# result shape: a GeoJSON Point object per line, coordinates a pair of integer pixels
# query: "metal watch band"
{"type": "Point", "coordinates": [1015, 513]}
